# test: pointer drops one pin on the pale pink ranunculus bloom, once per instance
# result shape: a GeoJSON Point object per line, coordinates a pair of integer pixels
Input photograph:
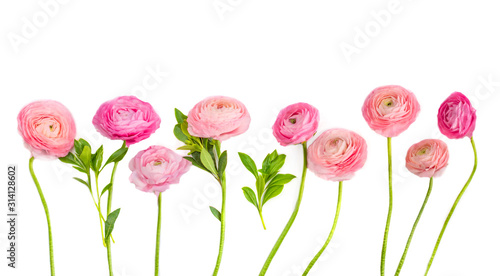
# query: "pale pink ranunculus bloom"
{"type": "Point", "coordinates": [126, 118]}
{"type": "Point", "coordinates": [296, 123]}
{"type": "Point", "coordinates": [390, 110]}
{"type": "Point", "coordinates": [457, 117]}
{"type": "Point", "coordinates": [427, 158]}
{"type": "Point", "coordinates": [218, 117]}
{"type": "Point", "coordinates": [337, 154]}
{"type": "Point", "coordinates": [48, 129]}
{"type": "Point", "coordinates": [156, 168]}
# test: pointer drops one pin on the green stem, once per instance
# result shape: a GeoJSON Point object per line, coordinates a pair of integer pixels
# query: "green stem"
{"type": "Point", "coordinates": [222, 224]}
{"type": "Point", "coordinates": [454, 206]}
{"type": "Point", "coordinates": [46, 208]}
{"type": "Point", "coordinates": [313, 261]}
{"type": "Point", "coordinates": [158, 230]}
{"type": "Point", "coordinates": [97, 205]}
{"type": "Point", "coordinates": [401, 262]}
{"type": "Point", "coordinates": [262, 219]}
{"type": "Point", "coordinates": [108, 210]}
{"type": "Point", "coordinates": [292, 218]}
{"type": "Point", "coordinates": [388, 222]}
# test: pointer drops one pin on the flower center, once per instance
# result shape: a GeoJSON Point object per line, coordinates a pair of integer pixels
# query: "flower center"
{"type": "Point", "coordinates": [422, 151]}
{"type": "Point", "coordinates": [292, 120]}
{"type": "Point", "coordinates": [157, 163]}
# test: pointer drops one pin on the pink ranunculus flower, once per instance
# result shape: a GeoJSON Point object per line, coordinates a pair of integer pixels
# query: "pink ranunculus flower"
{"type": "Point", "coordinates": [427, 158]}
{"type": "Point", "coordinates": [390, 110]}
{"type": "Point", "coordinates": [218, 117]}
{"type": "Point", "coordinates": [48, 129]}
{"type": "Point", "coordinates": [126, 118]}
{"type": "Point", "coordinates": [457, 117]}
{"type": "Point", "coordinates": [296, 123]}
{"type": "Point", "coordinates": [337, 154]}
{"type": "Point", "coordinates": [156, 168]}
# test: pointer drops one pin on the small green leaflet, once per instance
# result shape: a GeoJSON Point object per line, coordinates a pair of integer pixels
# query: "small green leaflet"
{"type": "Point", "coordinates": [179, 116]}
{"type": "Point", "coordinates": [207, 161]}
{"type": "Point", "coordinates": [250, 196]}
{"type": "Point", "coordinates": [222, 164]}
{"type": "Point", "coordinates": [85, 157]}
{"type": "Point", "coordinates": [248, 163]}
{"type": "Point", "coordinates": [215, 212]}
{"type": "Point", "coordinates": [110, 223]}
{"type": "Point", "coordinates": [105, 189]}
{"type": "Point", "coordinates": [83, 182]}
{"type": "Point", "coordinates": [117, 155]}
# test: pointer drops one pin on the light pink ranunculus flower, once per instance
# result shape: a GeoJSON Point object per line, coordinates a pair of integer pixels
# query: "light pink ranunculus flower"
{"type": "Point", "coordinates": [296, 123]}
{"type": "Point", "coordinates": [156, 168]}
{"type": "Point", "coordinates": [457, 117]}
{"type": "Point", "coordinates": [427, 158]}
{"type": "Point", "coordinates": [126, 118]}
{"type": "Point", "coordinates": [337, 154]}
{"type": "Point", "coordinates": [218, 117]}
{"type": "Point", "coordinates": [390, 110]}
{"type": "Point", "coordinates": [48, 129]}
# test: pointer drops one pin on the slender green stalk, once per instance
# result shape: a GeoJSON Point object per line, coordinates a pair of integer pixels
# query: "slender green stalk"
{"type": "Point", "coordinates": [454, 206]}
{"type": "Point", "coordinates": [401, 262]}
{"type": "Point", "coordinates": [46, 208]}
{"type": "Point", "coordinates": [313, 261]}
{"type": "Point", "coordinates": [262, 219]}
{"type": "Point", "coordinates": [292, 218]}
{"type": "Point", "coordinates": [388, 222]}
{"type": "Point", "coordinates": [158, 231]}
{"type": "Point", "coordinates": [222, 224]}
{"type": "Point", "coordinates": [108, 210]}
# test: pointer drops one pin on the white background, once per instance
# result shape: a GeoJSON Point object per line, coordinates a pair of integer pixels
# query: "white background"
{"type": "Point", "coordinates": [268, 54]}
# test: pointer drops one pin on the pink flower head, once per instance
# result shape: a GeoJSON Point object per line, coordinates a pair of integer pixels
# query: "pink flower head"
{"type": "Point", "coordinates": [156, 168]}
{"type": "Point", "coordinates": [390, 110]}
{"type": "Point", "coordinates": [296, 123]}
{"type": "Point", "coordinates": [457, 117]}
{"type": "Point", "coordinates": [337, 154]}
{"type": "Point", "coordinates": [427, 158]}
{"type": "Point", "coordinates": [218, 117]}
{"type": "Point", "coordinates": [126, 118]}
{"type": "Point", "coordinates": [48, 129]}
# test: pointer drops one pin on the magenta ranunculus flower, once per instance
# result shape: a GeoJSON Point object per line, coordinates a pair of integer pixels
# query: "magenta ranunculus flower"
{"type": "Point", "coordinates": [48, 129]}
{"type": "Point", "coordinates": [390, 110]}
{"type": "Point", "coordinates": [427, 158]}
{"type": "Point", "coordinates": [337, 154]}
{"type": "Point", "coordinates": [156, 168]}
{"type": "Point", "coordinates": [218, 117]}
{"type": "Point", "coordinates": [457, 117]}
{"type": "Point", "coordinates": [126, 118]}
{"type": "Point", "coordinates": [296, 123]}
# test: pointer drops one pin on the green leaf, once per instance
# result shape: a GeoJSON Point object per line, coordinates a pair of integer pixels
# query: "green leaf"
{"type": "Point", "coordinates": [272, 192]}
{"type": "Point", "coordinates": [248, 163]}
{"type": "Point", "coordinates": [80, 169]}
{"type": "Point", "coordinates": [222, 163]}
{"type": "Point", "coordinates": [109, 225]}
{"type": "Point", "coordinates": [105, 189]}
{"type": "Point", "coordinates": [83, 182]}
{"type": "Point", "coordinates": [84, 143]}
{"type": "Point", "coordinates": [260, 184]}
{"type": "Point", "coordinates": [215, 212]}
{"type": "Point", "coordinates": [195, 163]}
{"type": "Point", "coordinates": [184, 128]}
{"type": "Point", "coordinates": [85, 156]}
{"type": "Point", "coordinates": [280, 179]}
{"type": "Point", "coordinates": [190, 148]}
{"type": "Point", "coordinates": [208, 162]}
{"type": "Point", "coordinates": [97, 159]}
{"type": "Point", "coordinates": [250, 196]}
{"type": "Point", "coordinates": [277, 163]}
{"type": "Point", "coordinates": [179, 116]}
{"type": "Point", "coordinates": [117, 155]}
{"type": "Point", "coordinates": [78, 147]}
{"type": "Point", "coordinates": [179, 134]}
{"type": "Point", "coordinates": [69, 159]}
{"type": "Point", "coordinates": [267, 161]}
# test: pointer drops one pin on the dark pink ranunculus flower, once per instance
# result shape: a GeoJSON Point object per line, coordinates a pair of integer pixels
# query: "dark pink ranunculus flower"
{"type": "Point", "coordinates": [390, 110]}
{"type": "Point", "coordinates": [296, 123]}
{"type": "Point", "coordinates": [337, 154]}
{"type": "Point", "coordinates": [156, 168]}
{"type": "Point", "coordinates": [457, 117]}
{"type": "Point", "coordinates": [218, 117]}
{"type": "Point", "coordinates": [427, 158]}
{"type": "Point", "coordinates": [126, 118]}
{"type": "Point", "coordinates": [48, 129]}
